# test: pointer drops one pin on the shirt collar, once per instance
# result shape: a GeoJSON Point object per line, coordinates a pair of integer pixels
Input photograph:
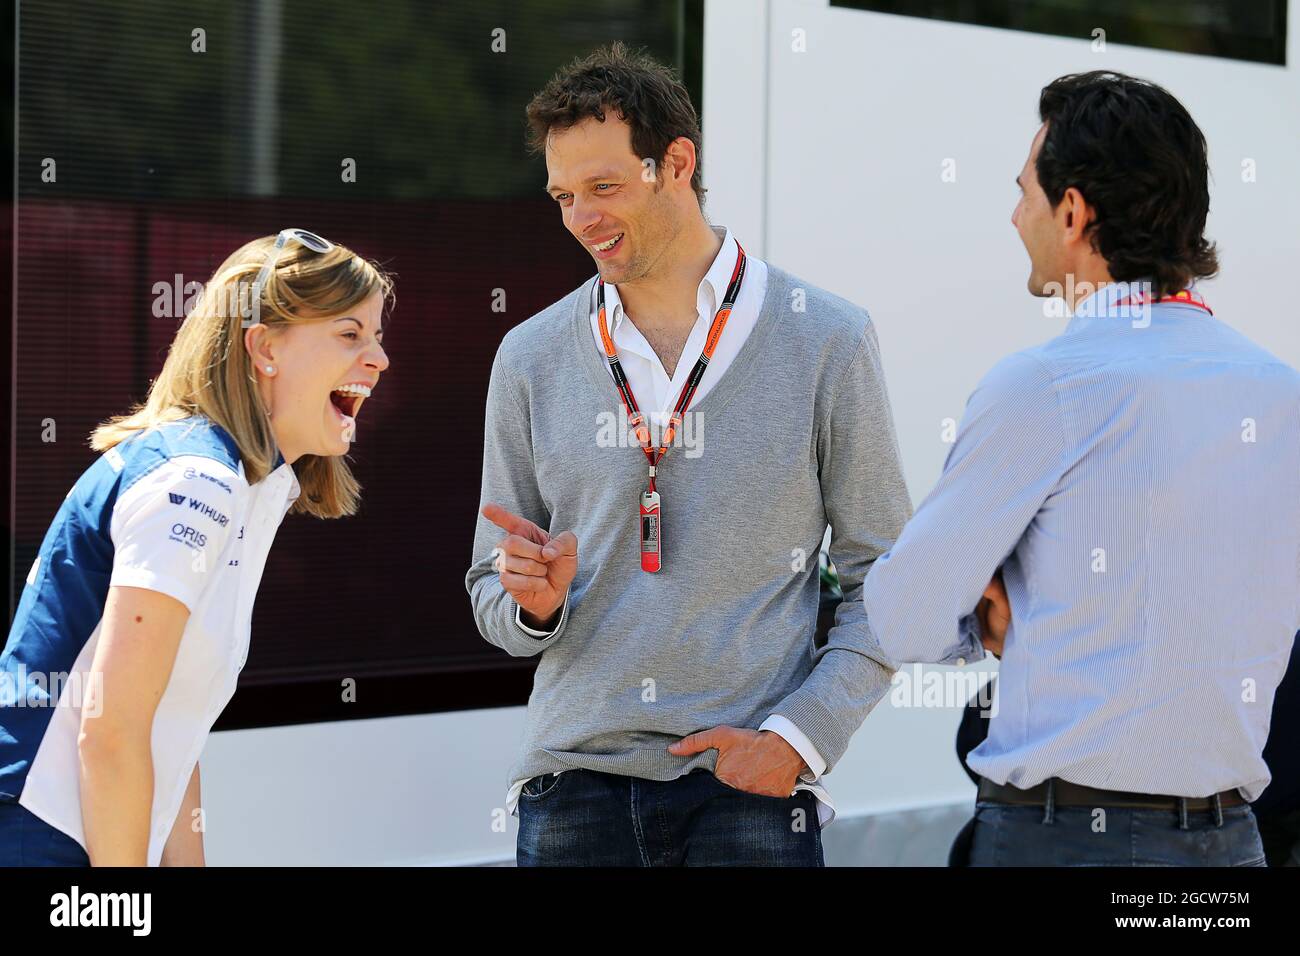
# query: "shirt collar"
{"type": "Point", "coordinates": [1103, 305]}
{"type": "Point", "coordinates": [712, 287]}
{"type": "Point", "coordinates": [295, 489]}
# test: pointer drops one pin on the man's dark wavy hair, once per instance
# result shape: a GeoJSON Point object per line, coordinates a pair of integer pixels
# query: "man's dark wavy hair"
{"type": "Point", "coordinates": [1139, 160]}
{"type": "Point", "coordinates": [636, 87]}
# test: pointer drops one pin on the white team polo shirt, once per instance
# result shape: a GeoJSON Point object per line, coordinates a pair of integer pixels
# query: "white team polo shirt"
{"type": "Point", "coordinates": [168, 510]}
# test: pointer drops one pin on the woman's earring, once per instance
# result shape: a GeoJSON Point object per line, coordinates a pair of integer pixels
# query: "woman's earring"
{"type": "Point", "coordinates": [270, 369]}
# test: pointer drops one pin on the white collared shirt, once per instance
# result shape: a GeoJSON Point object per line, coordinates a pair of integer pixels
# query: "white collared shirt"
{"type": "Point", "coordinates": [656, 393]}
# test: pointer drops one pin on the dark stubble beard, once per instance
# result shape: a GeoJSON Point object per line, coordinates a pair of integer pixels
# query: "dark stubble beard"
{"type": "Point", "coordinates": [661, 226]}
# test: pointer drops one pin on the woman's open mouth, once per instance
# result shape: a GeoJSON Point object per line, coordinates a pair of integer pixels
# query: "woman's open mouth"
{"type": "Point", "coordinates": [347, 401]}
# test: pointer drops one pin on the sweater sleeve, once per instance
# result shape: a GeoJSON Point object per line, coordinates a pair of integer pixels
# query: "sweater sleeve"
{"type": "Point", "coordinates": [866, 504]}
{"type": "Point", "coordinates": [509, 481]}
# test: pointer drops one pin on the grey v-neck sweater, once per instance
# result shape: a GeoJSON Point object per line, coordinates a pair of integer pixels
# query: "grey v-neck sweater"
{"type": "Point", "coordinates": [795, 435]}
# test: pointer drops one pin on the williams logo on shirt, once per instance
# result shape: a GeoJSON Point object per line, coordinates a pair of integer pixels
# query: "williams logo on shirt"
{"type": "Point", "coordinates": [202, 507]}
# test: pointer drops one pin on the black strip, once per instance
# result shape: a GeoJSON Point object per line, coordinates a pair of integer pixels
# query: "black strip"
{"type": "Point", "coordinates": [276, 703]}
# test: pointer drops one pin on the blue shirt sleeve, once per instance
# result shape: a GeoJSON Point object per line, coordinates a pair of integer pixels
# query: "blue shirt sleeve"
{"type": "Point", "coordinates": [1007, 459]}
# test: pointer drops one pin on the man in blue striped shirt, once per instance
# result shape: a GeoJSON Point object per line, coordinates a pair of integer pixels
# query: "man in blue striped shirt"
{"type": "Point", "coordinates": [1118, 519]}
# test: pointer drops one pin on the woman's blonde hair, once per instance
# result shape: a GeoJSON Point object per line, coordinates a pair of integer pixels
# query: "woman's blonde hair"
{"type": "Point", "coordinates": [209, 372]}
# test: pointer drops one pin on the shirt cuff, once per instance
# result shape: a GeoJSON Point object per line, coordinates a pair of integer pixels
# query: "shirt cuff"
{"type": "Point", "coordinates": [519, 622]}
{"type": "Point", "coordinates": [797, 739]}
{"type": "Point", "coordinates": [971, 648]}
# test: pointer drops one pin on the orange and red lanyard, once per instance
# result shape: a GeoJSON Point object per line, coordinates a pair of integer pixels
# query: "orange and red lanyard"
{"type": "Point", "coordinates": [650, 513]}
{"type": "Point", "coordinates": [1185, 297]}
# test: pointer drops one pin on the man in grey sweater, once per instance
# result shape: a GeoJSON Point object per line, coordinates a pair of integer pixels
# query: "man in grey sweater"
{"type": "Point", "coordinates": [666, 572]}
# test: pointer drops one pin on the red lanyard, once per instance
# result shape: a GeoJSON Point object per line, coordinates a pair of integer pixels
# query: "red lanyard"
{"type": "Point", "coordinates": [635, 418]}
{"type": "Point", "coordinates": [1185, 297]}
{"type": "Point", "coordinates": [650, 511]}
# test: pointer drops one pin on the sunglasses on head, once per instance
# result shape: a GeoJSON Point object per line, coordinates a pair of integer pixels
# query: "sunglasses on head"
{"type": "Point", "coordinates": [315, 243]}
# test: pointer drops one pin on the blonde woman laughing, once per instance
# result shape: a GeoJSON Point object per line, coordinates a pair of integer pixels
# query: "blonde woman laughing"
{"type": "Point", "coordinates": [134, 623]}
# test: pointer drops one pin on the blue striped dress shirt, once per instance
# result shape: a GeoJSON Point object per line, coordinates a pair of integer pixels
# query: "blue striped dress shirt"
{"type": "Point", "coordinates": [1137, 479]}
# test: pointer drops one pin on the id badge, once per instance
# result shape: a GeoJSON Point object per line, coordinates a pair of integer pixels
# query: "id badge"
{"type": "Point", "coordinates": [651, 531]}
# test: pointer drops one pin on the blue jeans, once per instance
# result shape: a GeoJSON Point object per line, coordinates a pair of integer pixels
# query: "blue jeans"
{"type": "Point", "coordinates": [27, 840]}
{"type": "Point", "coordinates": [1082, 836]}
{"type": "Point", "coordinates": [588, 818]}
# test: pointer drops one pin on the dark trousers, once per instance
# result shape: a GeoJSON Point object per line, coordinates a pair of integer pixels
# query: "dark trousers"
{"type": "Point", "coordinates": [27, 840]}
{"type": "Point", "coordinates": [588, 818]}
{"type": "Point", "coordinates": [1281, 835]}
{"type": "Point", "coordinates": [1050, 835]}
